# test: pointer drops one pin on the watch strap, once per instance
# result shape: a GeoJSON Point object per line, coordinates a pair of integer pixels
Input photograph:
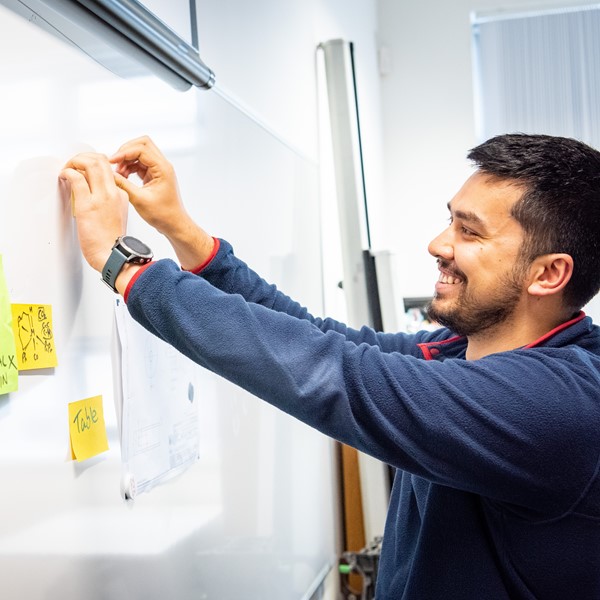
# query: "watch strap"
{"type": "Point", "coordinates": [112, 268]}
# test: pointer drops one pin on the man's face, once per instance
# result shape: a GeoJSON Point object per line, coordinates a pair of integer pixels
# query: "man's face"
{"type": "Point", "coordinates": [482, 278]}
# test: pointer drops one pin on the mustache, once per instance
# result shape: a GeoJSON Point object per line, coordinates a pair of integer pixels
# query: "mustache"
{"type": "Point", "coordinates": [451, 269]}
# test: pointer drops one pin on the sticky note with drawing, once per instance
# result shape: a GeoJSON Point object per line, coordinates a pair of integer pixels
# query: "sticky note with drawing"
{"type": "Point", "coordinates": [34, 338]}
{"type": "Point", "coordinates": [9, 374]}
{"type": "Point", "coordinates": [87, 429]}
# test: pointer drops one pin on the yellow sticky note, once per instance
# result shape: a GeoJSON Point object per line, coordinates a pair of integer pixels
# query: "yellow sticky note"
{"type": "Point", "coordinates": [9, 373]}
{"type": "Point", "coordinates": [86, 428]}
{"type": "Point", "coordinates": [32, 327]}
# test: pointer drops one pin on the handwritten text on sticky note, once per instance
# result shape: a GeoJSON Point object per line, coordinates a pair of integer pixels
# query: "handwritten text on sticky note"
{"type": "Point", "coordinates": [9, 374]}
{"type": "Point", "coordinates": [32, 326]}
{"type": "Point", "coordinates": [87, 429]}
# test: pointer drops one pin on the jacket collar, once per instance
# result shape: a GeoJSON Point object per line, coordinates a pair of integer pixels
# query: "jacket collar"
{"type": "Point", "coordinates": [455, 347]}
{"type": "Point", "coordinates": [541, 341]}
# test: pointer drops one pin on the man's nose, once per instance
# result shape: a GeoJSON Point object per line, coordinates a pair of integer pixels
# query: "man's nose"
{"type": "Point", "coordinates": [441, 246]}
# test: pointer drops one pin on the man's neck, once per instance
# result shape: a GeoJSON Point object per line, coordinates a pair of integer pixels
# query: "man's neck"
{"type": "Point", "coordinates": [519, 330]}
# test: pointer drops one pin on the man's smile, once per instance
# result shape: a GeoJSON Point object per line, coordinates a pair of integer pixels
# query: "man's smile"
{"type": "Point", "coordinates": [449, 279]}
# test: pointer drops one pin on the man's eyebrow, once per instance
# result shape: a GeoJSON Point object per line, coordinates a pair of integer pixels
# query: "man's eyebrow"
{"type": "Point", "coordinates": [468, 216]}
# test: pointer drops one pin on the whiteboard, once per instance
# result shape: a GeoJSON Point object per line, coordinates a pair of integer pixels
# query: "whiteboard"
{"type": "Point", "coordinates": [253, 518]}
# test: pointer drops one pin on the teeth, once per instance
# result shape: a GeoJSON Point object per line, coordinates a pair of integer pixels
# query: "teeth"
{"type": "Point", "coordinates": [448, 279]}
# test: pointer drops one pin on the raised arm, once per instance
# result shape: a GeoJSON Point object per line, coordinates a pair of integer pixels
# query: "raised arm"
{"type": "Point", "coordinates": [232, 275]}
{"type": "Point", "coordinates": [98, 191]}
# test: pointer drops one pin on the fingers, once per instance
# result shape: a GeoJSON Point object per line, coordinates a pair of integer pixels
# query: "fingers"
{"type": "Point", "coordinates": [92, 181]}
{"type": "Point", "coordinates": [94, 168]}
{"type": "Point", "coordinates": [132, 168]}
{"type": "Point", "coordinates": [79, 186]}
{"type": "Point", "coordinates": [140, 149]}
{"type": "Point", "coordinates": [140, 156]}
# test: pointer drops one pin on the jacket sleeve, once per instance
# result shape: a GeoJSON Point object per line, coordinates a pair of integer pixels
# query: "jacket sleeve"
{"type": "Point", "coordinates": [233, 276]}
{"type": "Point", "coordinates": [499, 427]}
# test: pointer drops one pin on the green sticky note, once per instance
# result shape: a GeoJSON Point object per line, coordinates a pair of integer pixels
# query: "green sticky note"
{"type": "Point", "coordinates": [9, 373]}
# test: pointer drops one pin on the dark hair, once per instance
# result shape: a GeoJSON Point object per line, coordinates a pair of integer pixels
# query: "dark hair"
{"type": "Point", "coordinates": [560, 206]}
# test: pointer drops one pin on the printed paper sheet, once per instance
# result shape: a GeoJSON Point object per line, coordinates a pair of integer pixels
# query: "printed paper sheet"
{"type": "Point", "coordinates": [157, 403]}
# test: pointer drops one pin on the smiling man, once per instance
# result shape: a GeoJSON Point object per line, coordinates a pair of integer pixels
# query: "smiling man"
{"type": "Point", "coordinates": [491, 421]}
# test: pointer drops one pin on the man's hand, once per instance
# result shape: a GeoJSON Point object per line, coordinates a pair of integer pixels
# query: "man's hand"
{"type": "Point", "coordinates": [100, 207]}
{"type": "Point", "coordinates": [158, 201]}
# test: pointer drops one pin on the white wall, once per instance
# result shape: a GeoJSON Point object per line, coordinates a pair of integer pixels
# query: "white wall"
{"type": "Point", "coordinates": [427, 101]}
{"type": "Point", "coordinates": [264, 54]}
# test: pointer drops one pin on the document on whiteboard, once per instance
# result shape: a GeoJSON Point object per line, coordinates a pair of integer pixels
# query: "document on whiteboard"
{"type": "Point", "coordinates": [156, 404]}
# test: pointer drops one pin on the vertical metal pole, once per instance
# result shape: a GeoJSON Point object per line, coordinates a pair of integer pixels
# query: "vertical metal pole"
{"type": "Point", "coordinates": [354, 234]}
{"type": "Point", "coordinates": [348, 177]}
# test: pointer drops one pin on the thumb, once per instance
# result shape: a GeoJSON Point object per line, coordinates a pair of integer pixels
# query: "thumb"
{"type": "Point", "coordinates": [127, 186]}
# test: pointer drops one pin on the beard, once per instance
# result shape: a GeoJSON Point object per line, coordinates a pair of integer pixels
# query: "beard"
{"type": "Point", "coordinates": [469, 315]}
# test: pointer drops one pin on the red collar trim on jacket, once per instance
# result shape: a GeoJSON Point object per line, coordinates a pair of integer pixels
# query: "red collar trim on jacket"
{"type": "Point", "coordinates": [430, 350]}
{"type": "Point", "coordinates": [547, 336]}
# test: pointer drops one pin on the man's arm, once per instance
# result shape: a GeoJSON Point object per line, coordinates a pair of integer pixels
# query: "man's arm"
{"type": "Point", "coordinates": [498, 427]}
{"type": "Point", "coordinates": [230, 274]}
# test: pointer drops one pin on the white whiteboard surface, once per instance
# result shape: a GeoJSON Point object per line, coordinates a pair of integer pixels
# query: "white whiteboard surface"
{"type": "Point", "coordinates": [254, 517]}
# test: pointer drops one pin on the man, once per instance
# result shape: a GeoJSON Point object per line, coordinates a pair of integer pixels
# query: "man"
{"type": "Point", "coordinates": [492, 421]}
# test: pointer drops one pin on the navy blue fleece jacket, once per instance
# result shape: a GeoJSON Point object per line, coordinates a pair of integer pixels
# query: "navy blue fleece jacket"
{"type": "Point", "coordinates": [497, 493]}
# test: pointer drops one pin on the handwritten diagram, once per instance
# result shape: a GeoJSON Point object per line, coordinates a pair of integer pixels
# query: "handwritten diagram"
{"type": "Point", "coordinates": [32, 327]}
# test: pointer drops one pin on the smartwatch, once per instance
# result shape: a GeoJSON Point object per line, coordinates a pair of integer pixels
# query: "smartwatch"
{"type": "Point", "coordinates": [126, 249]}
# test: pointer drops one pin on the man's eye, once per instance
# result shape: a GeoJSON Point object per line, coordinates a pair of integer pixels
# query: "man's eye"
{"type": "Point", "coordinates": [464, 230]}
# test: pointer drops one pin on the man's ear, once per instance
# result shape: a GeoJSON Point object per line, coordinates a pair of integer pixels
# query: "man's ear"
{"type": "Point", "coordinates": [550, 273]}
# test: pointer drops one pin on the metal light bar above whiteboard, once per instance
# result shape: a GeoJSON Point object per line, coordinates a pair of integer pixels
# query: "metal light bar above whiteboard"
{"type": "Point", "coordinates": [122, 35]}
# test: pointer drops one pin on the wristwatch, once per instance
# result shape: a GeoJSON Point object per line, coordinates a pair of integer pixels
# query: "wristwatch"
{"type": "Point", "coordinates": [126, 249]}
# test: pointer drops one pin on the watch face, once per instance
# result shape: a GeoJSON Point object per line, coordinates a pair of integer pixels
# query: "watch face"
{"type": "Point", "coordinates": [135, 245]}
